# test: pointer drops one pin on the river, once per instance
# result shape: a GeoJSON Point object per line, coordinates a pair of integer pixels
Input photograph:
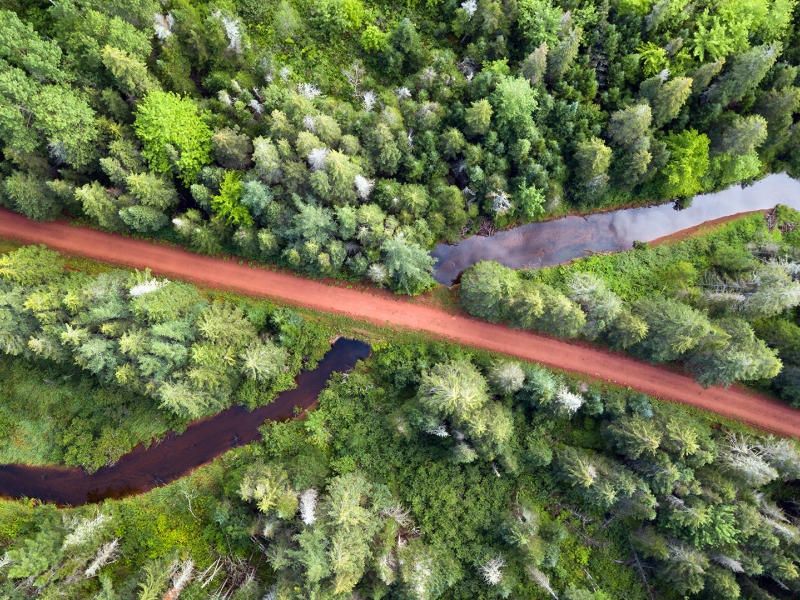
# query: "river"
{"type": "Point", "coordinates": [555, 242]}
{"type": "Point", "coordinates": [176, 455]}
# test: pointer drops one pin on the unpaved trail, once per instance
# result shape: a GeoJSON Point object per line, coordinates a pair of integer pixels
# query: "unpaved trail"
{"type": "Point", "coordinates": [764, 413]}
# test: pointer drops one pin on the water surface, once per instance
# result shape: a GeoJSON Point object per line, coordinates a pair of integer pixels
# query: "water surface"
{"type": "Point", "coordinates": [176, 455]}
{"type": "Point", "coordinates": [556, 242]}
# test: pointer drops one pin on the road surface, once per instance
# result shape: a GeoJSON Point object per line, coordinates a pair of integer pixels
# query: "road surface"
{"type": "Point", "coordinates": [758, 411]}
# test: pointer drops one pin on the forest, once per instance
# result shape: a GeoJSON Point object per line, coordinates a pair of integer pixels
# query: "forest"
{"type": "Point", "coordinates": [430, 471]}
{"type": "Point", "coordinates": [345, 138]}
{"type": "Point", "coordinates": [726, 305]}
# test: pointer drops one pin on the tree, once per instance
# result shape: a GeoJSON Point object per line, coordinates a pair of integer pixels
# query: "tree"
{"type": "Point", "coordinates": [100, 206]}
{"type": "Point", "coordinates": [740, 357]}
{"type": "Point", "coordinates": [173, 134]}
{"type": "Point", "coordinates": [454, 390]}
{"type": "Point", "coordinates": [746, 72]}
{"type": "Point", "coordinates": [507, 376]}
{"type": "Point", "coordinates": [636, 436]}
{"type": "Point", "coordinates": [562, 56]}
{"type": "Point", "coordinates": [152, 191]}
{"type": "Point", "coordinates": [626, 330]}
{"type": "Point", "coordinates": [669, 99]}
{"type": "Point", "coordinates": [743, 135]}
{"type": "Point", "coordinates": [777, 107]}
{"type": "Point", "coordinates": [673, 328]}
{"type": "Point", "coordinates": [560, 316]}
{"type": "Point", "coordinates": [408, 265]}
{"type": "Point", "coordinates": [382, 143]}
{"type": "Point", "coordinates": [478, 117]}
{"type": "Point", "coordinates": [628, 125]}
{"type": "Point", "coordinates": [452, 142]}
{"type": "Point", "coordinates": [21, 46]}
{"type": "Point", "coordinates": [336, 17]}
{"type": "Point", "coordinates": [342, 173]}
{"type": "Point", "coordinates": [514, 102]}
{"type": "Point", "coordinates": [265, 484]}
{"type": "Point", "coordinates": [534, 66]}
{"type": "Point", "coordinates": [263, 361]}
{"type": "Point", "coordinates": [30, 195]}
{"type": "Point", "coordinates": [601, 305]}
{"type": "Point", "coordinates": [31, 265]}
{"type": "Point", "coordinates": [130, 74]}
{"type": "Point", "coordinates": [688, 163]}
{"type": "Point", "coordinates": [485, 289]}
{"type": "Point", "coordinates": [227, 205]}
{"type": "Point", "coordinates": [144, 219]}
{"type": "Point", "coordinates": [231, 149]}
{"type": "Point", "coordinates": [772, 290]}
{"type": "Point", "coordinates": [593, 158]}
{"type": "Point", "coordinates": [576, 467]}
{"type": "Point", "coordinates": [267, 160]}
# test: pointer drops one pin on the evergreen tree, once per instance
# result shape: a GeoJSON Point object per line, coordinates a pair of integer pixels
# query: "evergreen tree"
{"type": "Point", "coordinates": [231, 148]}
{"type": "Point", "coordinates": [593, 158]}
{"type": "Point", "coordinates": [478, 117]}
{"type": "Point", "coordinates": [534, 66]}
{"type": "Point", "coordinates": [563, 55]}
{"type": "Point", "coordinates": [669, 99]}
{"type": "Point", "coordinates": [409, 266]}
{"type": "Point", "coordinates": [673, 328]}
{"type": "Point", "coordinates": [485, 287]}
{"type": "Point", "coordinates": [267, 160]}
{"type": "Point", "coordinates": [629, 125]}
{"type": "Point", "coordinates": [130, 74]}
{"type": "Point", "coordinates": [745, 73]}
{"type": "Point", "coordinates": [743, 135]}
{"type": "Point", "coordinates": [636, 436]}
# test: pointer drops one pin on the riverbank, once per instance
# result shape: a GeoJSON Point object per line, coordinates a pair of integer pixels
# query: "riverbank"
{"type": "Point", "coordinates": [550, 243]}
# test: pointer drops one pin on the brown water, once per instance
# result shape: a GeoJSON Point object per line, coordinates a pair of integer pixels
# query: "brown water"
{"type": "Point", "coordinates": [560, 241]}
{"type": "Point", "coordinates": [177, 455]}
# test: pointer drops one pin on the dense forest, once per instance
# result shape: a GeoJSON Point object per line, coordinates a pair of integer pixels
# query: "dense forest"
{"type": "Point", "coordinates": [345, 138]}
{"type": "Point", "coordinates": [725, 304]}
{"type": "Point", "coordinates": [431, 471]}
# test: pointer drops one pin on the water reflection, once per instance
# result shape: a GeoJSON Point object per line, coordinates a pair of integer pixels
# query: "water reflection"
{"type": "Point", "coordinates": [176, 455]}
{"type": "Point", "coordinates": [555, 242]}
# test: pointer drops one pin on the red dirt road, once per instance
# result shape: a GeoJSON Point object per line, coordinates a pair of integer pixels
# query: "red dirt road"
{"type": "Point", "coordinates": [761, 412]}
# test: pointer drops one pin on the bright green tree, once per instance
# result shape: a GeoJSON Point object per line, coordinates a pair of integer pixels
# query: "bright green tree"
{"type": "Point", "coordinates": [173, 134]}
{"type": "Point", "coordinates": [688, 163]}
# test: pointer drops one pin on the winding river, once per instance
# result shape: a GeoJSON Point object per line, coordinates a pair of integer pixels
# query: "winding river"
{"type": "Point", "coordinates": [555, 242]}
{"type": "Point", "coordinates": [176, 455]}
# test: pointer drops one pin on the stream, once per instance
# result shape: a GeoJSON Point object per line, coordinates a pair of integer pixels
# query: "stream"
{"type": "Point", "coordinates": [176, 455]}
{"type": "Point", "coordinates": [555, 242]}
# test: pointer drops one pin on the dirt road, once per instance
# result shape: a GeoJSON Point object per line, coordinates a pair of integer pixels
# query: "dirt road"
{"type": "Point", "coordinates": [737, 403]}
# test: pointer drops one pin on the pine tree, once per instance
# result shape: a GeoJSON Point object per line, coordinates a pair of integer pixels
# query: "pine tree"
{"type": "Point", "coordinates": [593, 158]}
{"type": "Point", "coordinates": [231, 148]}
{"type": "Point", "coordinates": [673, 328]}
{"type": "Point", "coordinates": [629, 125]}
{"type": "Point", "coordinates": [636, 436]}
{"type": "Point", "coordinates": [743, 135]}
{"type": "Point", "coordinates": [563, 55]}
{"type": "Point", "coordinates": [534, 66]}
{"type": "Point", "coordinates": [486, 287]}
{"type": "Point", "coordinates": [669, 99]}
{"type": "Point", "coordinates": [478, 117]}
{"type": "Point", "coordinates": [129, 73]}
{"type": "Point", "coordinates": [745, 73]}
